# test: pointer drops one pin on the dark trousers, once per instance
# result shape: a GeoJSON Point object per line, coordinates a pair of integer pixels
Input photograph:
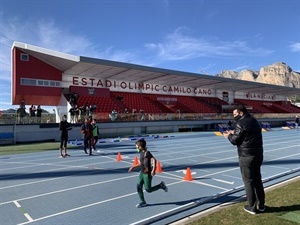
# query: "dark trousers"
{"type": "Point", "coordinates": [145, 180]}
{"type": "Point", "coordinates": [250, 170]}
{"type": "Point", "coordinates": [94, 142]}
{"type": "Point", "coordinates": [63, 140]}
{"type": "Point", "coordinates": [87, 143]}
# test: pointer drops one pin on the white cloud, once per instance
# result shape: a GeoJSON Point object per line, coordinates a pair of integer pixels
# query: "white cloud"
{"type": "Point", "coordinates": [179, 46]}
{"type": "Point", "coordinates": [295, 47]}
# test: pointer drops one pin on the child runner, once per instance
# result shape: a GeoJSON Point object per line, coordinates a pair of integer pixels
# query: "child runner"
{"type": "Point", "coordinates": [147, 173]}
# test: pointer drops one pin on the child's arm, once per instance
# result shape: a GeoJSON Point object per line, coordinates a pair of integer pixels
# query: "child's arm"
{"type": "Point", "coordinates": [153, 160]}
{"type": "Point", "coordinates": [134, 167]}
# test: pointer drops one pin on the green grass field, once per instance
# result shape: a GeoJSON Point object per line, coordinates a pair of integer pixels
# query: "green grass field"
{"type": "Point", "coordinates": [283, 202]}
{"type": "Point", "coordinates": [283, 208]}
{"type": "Point", "coordinates": [29, 148]}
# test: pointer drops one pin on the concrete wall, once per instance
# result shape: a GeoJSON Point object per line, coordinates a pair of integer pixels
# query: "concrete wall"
{"type": "Point", "coordinates": [50, 132]}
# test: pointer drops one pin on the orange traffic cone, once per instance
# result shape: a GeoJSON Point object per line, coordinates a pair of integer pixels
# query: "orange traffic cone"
{"type": "Point", "coordinates": [188, 175]}
{"type": "Point", "coordinates": [158, 167]}
{"type": "Point", "coordinates": [136, 161]}
{"type": "Point", "coordinates": [119, 157]}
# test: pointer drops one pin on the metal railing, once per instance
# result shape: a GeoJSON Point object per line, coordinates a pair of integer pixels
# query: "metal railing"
{"type": "Point", "coordinates": [11, 118]}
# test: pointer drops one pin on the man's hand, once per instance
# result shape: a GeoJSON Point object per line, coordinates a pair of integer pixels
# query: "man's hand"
{"type": "Point", "coordinates": [226, 134]}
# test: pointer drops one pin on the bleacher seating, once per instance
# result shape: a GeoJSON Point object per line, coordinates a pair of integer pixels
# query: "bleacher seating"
{"type": "Point", "coordinates": [152, 103]}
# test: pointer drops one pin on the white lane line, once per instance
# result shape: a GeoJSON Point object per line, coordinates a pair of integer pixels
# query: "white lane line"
{"type": "Point", "coordinates": [209, 185]}
{"type": "Point", "coordinates": [69, 189]}
{"type": "Point", "coordinates": [57, 178]}
{"type": "Point", "coordinates": [223, 181]}
{"type": "Point", "coordinates": [85, 206]}
{"type": "Point", "coordinates": [17, 204]}
{"type": "Point", "coordinates": [28, 217]}
{"type": "Point", "coordinates": [278, 167]}
{"type": "Point", "coordinates": [225, 175]}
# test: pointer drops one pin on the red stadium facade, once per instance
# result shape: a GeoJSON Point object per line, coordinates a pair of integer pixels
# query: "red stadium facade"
{"type": "Point", "coordinates": [44, 77]}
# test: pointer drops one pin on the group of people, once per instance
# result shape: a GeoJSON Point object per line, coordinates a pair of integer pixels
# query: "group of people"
{"type": "Point", "coordinates": [35, 114]}
{"type": "Point", "coordinates": [77, 112]}
{"type": "Point", "coordinates": [126, 115]}
{"type": "Point", "coordinates": [89, 131]}
{"type": "Point", "coordinates": [81, 112]}
{"type": "Point", "coordinates": [246, 135]}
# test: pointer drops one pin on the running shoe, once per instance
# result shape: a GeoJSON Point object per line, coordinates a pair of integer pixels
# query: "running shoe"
{"type": "Point", "coordinates": [141, 204]}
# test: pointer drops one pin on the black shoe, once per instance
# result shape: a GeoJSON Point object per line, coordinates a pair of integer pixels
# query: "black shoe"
{"type": "Point", "coordinates": [163, 186]}
{"type": "Point", "coordinates": [85, 152]}
{"type": "Point", "coordinates": [249, 210]}
{"type": "Point", "coordinates": [261, 209]}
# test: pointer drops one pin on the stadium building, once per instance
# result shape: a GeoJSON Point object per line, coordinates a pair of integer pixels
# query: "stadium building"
{"type": "Point", "coordinates": [45, 77]}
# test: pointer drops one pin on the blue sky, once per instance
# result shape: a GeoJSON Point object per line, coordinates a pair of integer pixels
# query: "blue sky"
{"type": "Point", "coordinates": [199, 36]}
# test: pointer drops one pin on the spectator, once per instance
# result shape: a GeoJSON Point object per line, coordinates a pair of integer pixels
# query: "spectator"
{"type": "Point", "coordinates": [113, 115]}
{"type": "Point", "coordinates": [142, 115]}
{"type": "Point", "coordinates": [72, 114]}
{"type": "Point", "coordinates": [64, 126]}
{"type": "Point", "coordinates": [247, 136]}
{"type": "Point", "coordinates": [77, 112]}
{"type": "Point", "coordinates": [39, 114]}
{"type": "Point", "coordinates": [32, 111]}
{"type": "Point", "coordinates": [21, 113]}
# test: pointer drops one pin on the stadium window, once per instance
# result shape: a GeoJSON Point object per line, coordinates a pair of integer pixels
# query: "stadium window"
{"type": "Point", "coordinates": [46, 83]}
{"type": "Point", "coordinates": [57, 84]}
{"type": "Point", "coordinates": [24, 57]}
{"type": "Point", "coordinates": [40, 83]}
{"type": "Point", "coordinates": [25, 81]}
{"type": "Point", "coordinates": [52, 83]}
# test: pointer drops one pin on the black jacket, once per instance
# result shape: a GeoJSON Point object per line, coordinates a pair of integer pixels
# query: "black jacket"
{"type": "Point", "coordinates": [247, 136]}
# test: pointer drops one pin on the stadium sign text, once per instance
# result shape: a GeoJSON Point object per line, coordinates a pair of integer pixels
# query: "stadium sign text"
{"type": "Point", "coordinates": [115, 85]}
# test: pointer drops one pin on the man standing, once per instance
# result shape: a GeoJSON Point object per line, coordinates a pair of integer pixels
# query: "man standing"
{"type": "Point", "coordinates": [247, 136]}
{"type": "Point", "coordinates": [64, 127]}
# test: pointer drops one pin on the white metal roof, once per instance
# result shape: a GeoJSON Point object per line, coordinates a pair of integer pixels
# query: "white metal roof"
{"type": "Point", "coordinates": [105, 69]}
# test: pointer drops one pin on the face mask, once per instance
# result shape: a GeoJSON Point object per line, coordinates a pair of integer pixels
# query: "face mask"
{"type": "Point", "coordinates": [236, 118]}
{"type": "Point", "coordinates": [64, 118]}
{"type": "Point", "coordinates": [138, 150]}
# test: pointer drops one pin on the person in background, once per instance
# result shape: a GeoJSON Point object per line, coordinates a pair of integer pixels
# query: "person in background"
{"type": "Point", "coordinates": [64, 127]}
{"type": "Point", "coordinates": [95, 134]}
{"type": "Point", "coordinates": [86, 130]}
{"type": "Point", "coordinates": [247, 136]}
{"type": "Point", "coordinates": [32, 111]}
{"type": "Point", "coordinates": [72, 114]}
{"type": "Point", "coordinates": [77, 113]}
{"type": "Point", "coordinates": [39, 114]}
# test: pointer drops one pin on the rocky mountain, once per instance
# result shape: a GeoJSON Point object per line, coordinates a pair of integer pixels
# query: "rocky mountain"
{"type": "Point", "coordinates": [278, 74]}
